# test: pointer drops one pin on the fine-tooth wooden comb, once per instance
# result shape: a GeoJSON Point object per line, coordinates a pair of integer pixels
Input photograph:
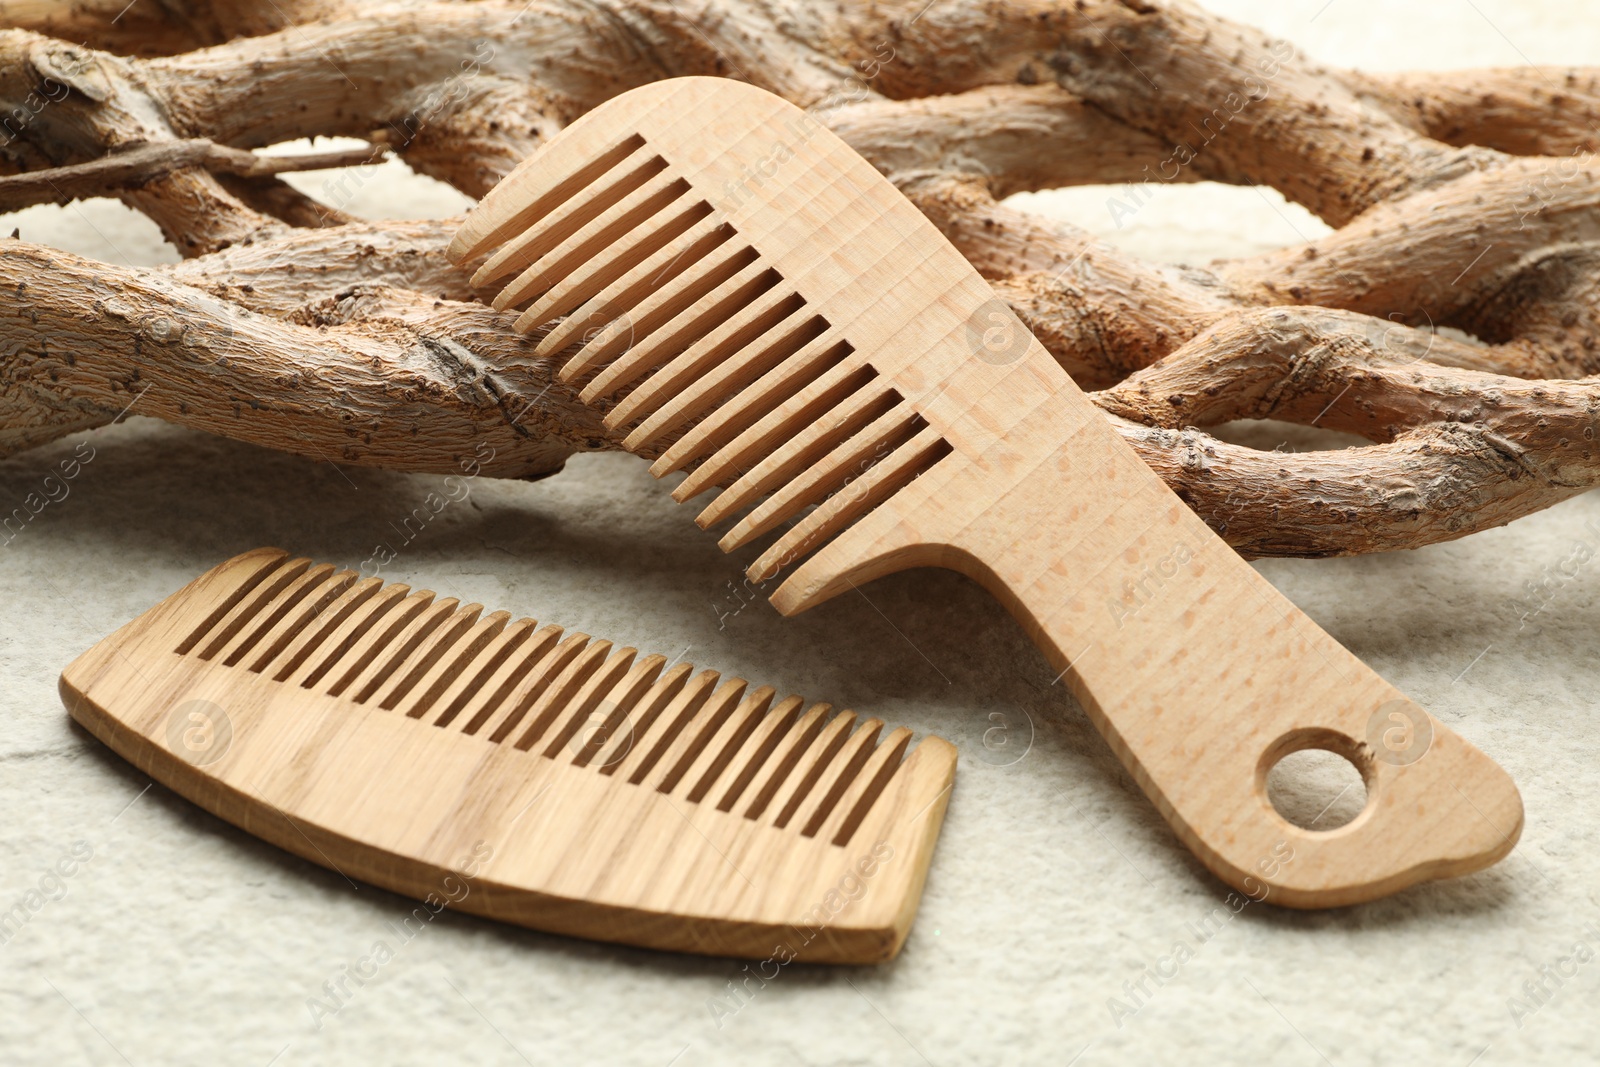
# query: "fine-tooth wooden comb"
{"type": "Point", "coordinates": [761, 308]}
{"type": "Point", "coordinates": [518, 772]}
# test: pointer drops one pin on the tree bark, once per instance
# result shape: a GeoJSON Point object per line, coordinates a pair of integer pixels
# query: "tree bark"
{"type": "Point", "coordinates": [1465, 200]}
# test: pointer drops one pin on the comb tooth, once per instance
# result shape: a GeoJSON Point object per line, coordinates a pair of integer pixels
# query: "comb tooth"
{"type": "Point", "coordinates": [303, 617]}
{"type": "Point", "coordinates": [662, 306]}
{"type": "Point", "coordinates": [542, 187]}
{"type": "Point", "coordinates": [845, 464]}
{"type": "Point", "coordinates": [842, 770]}
{"type": "Point", "coordinates": [371, 614]}
{"type": "Point", "coordinates": [558, 694]}
{"type": "Point", "coordinates": [497, 665]}
{"type": "Point", "coordinates": [250, 605]}
{"type": "Point", "coordinates": [813, 402]}
{"type": "Point", "coordinates": [791, 457]}
{"type": "Point", "coordinates": [326, 622]}
{"type": "Point", "coordinates": [571, 286]}
{"type": "Point", "coordinates": [795, 743]}
{"type": "Point", "coordinates": [881, 481]}
{"type": "Point", "coordinates": [496, 718]}
{"type": "Point", "coordinates": [611, 226]}
{"type": "Point", "coordinates": [447, 658]}
{"type": "Point", "coordinates": [816, 356]}
{"type": "Point", "coordinates": [272, 613]}
{"type": "Point", "coordinates": [424, 640]}
{"type": "Point", "coordinates": [550, 229]}
{"type": "Point", "coordinates": [395, 673]}
{"type": "Point", "coordinates": [639, 721]}
{"type": "Point", "coordinates": [654, 741]}
{"type": "Point", "coordinates": [621, 296]}
{"type": "Point", "coordinates": [869, 784]}
{"type": "Point", "coordinates": [811, 767]}
{"type": "Point", "coordinates": [616, 704]}
{"type": "Point", "coordinates": [679, 753]}
{"type": "Point", "coordinates": [243, 574]}
{"type": "Point", "coordinates": [619, 683]}
{"type": "Point", "coordinates": [737, 774]}
{"type": "Point", "coordinates": [364, 651]}
{"type": "Point", "coordinates": [687, 327]}
{"type": "Point", "coordinates": [728, 377]}
{"type": "Point", "coordinates": [724, 745]}
{"type": "Point", "coordinates": [725, 345]}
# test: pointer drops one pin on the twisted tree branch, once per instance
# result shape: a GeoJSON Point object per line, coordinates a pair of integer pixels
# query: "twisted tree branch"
{"type": "Point", "coordinates": [1462, 199]}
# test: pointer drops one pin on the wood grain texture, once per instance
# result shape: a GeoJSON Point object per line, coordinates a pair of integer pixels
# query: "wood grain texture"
{"type": "Point", "coordinates": [765, 306]}
{"type": "Point", "coordinates": [519, 772]}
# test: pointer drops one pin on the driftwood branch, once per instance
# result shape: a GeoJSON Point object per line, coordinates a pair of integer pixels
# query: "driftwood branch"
{"type": "Point", "coordinates": [138, 165]}
{"type": "Point", "coordinates": [1464, 200]}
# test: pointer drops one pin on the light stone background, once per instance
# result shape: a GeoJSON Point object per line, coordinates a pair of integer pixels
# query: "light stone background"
{"type": "Point", "coordinates": [185, 941]}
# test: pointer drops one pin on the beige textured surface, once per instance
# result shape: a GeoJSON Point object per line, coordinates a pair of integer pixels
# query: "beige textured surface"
{"type": "Point", "coordinates": [183, 940]}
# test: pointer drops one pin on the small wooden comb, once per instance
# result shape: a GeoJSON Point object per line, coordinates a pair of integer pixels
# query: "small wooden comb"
{"type": "Point", "coordinates": [518, 773]}
{"type": "Point", "coordinates": [763, 309]}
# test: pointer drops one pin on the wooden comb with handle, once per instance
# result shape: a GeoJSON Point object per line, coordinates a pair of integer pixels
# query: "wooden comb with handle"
{"type": "Point", "coordinates": [763, 309]}
{"type": "Point", "coordinates": [517, 772]}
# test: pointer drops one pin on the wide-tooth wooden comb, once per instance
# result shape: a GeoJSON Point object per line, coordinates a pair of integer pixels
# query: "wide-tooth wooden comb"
{"type": "Point", "coordinates": [763, 309]}
{"type": "Point", "coordinates": [514, 771]}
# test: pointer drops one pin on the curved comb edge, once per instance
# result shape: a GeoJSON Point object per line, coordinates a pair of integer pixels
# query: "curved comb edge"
{"type": "Point", "coordinates": [400, 802]}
